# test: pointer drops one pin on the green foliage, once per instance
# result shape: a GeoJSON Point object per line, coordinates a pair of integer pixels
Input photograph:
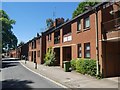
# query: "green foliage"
{"type": "Point", "coordinates": [21, 43]}
{"type": "Point", "coordinates": [8, 37]}
{"type": "Point", "coordinates": [49, 23]}
{"type": "Point", "coordinates": [85, 66]}
{"type": "Point", "coordinates": [50, 57]}
{"type": "Point", "coordinates": [73, 64]}
{"type": "Point", "coordinates": [81, 7]}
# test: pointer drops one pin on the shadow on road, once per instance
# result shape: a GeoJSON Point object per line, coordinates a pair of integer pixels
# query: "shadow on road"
{"type": "Point", "coordinates": [10, 59]}
{"type": "Point", "coordinates": [16, 84]}
{"type": "Point", "coordinates": [8, 64]}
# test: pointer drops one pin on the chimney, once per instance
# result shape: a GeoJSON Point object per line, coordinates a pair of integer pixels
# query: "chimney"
{"type": "Point", "coordinates": [38, 35]}
{"type": "Point", "coordinates": [58, 21]}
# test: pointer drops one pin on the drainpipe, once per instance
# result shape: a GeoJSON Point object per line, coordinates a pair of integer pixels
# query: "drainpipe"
{"type": "Point", "coordinates": [97, 42]}
{"type": "Point", "coordinates": [97, 49]}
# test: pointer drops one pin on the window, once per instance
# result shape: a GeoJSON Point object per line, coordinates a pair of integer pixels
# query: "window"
{"type": "Point", "coordinates": [38, 53]}
{"type": "Point", "coordinates": [34, 44]}
{"type": "Point", "coordinates": [87, 50]}
{"type": "Point", "coordinates": [79, 51]}
{"type": "Point", "coordinates": [49, 37]}
{"type": "Point", "coordinates": [79, 25]}
{"type": "Point", "coordinates": [87, 22]}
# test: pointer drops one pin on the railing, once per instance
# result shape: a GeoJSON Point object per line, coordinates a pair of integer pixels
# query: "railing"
{"type": "Point", "coordinates": [57, 40]}
{"type": "Point", "coordinates": [67, 37]}
{"type": "Point", "coordinates": [112, 25]}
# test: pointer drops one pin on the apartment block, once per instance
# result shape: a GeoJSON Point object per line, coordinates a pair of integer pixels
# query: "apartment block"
{"type": "Point", "coordinates": [93, 34]}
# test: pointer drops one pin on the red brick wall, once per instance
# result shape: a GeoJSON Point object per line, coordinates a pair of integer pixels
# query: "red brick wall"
{"type": "Point", "coordinates": [37, 49]}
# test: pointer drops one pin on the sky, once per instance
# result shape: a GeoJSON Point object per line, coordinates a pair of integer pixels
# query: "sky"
{"type": "Point", "coordinates": [31, 17]}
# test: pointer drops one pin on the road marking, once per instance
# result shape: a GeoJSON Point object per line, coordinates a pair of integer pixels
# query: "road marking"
{"type": "Point", "coordinates": [44, 76]}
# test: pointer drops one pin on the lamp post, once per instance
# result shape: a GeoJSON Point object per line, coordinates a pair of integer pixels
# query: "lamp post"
{"type": "Point", "coordinates": [97, 42]}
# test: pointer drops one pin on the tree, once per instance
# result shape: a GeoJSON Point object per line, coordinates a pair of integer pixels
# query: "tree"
{"type": "Point", "coordinates": [9, 40]}
{"type": "Point", "coordinates": [49, 23]}
{"type": "Point", "coordinates": [21, 43]}
{"type": "Point", "coordinates": [81, 7]}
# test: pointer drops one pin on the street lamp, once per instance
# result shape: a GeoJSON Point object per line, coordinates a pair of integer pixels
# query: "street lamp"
{"type": "Point", "coordinates": [96, 25]}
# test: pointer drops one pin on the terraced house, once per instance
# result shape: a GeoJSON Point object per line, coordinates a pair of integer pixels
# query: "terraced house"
{"type": "Point", "coordinates": [93, 34]}
{"type": "Point", "coordinates": [22, 51]}
{"type": "Point", "coordinates": [34, 51]}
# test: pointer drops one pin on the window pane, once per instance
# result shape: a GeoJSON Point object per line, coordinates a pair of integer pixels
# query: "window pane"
{"type": "Point", "coordinates": [79, 25]}
{"type": "Point", "coordinates": [87, 50]}
{"type": "Point", "coordinates": [87, 54]}
{"type": "Point", "coordinates": [87, 22]}
{"type": "Point", "coordinates": [80, 55]}
{"type": "Point", "coordinates": [88, 47]}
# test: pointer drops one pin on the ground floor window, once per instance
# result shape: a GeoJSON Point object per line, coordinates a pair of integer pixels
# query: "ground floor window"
{"type": "Point", "coordinates": [79, 50]}
{"type": "Point", "coordinates": [87, 50]}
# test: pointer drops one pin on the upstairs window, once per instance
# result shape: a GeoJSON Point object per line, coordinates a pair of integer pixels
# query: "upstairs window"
{"type": "Point", "coordinates": [79, 25]}
{"type": "Point", "coordinates": [87, 22]}
{"type": "Point", "coordinates": [34, 44]}
{"type": "Point", "coordinates": [49, 37]}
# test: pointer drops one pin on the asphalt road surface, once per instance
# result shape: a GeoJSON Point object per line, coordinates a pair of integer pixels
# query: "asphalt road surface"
{"type": "Point", "coordinates": [15, 76]}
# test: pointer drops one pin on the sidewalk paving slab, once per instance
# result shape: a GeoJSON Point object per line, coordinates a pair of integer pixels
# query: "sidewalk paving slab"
{"type": "Point", "coordinates": [72, 79]}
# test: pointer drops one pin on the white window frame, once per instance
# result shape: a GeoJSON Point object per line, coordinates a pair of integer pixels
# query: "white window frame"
{"type": "Point", "coordinates": [87, 21]}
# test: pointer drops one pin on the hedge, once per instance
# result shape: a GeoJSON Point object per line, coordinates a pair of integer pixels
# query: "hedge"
{"type": "Point", "coordinates": [84, 66]}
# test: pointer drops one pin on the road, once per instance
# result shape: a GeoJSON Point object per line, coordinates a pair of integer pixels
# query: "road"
{"type": "Point", "coordinates": [14, 75]}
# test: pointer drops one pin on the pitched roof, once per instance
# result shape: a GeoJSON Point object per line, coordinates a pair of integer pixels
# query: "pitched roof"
{"type": "Point", "coordinates": [87, 11]}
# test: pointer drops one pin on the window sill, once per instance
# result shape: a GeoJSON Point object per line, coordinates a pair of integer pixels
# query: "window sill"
{"type": "Point", "coordinates": [49, 41]}
{"type": "Point", "coordinates": [79, 31]}
{"type": "Point", "coordinates": [85, 29]}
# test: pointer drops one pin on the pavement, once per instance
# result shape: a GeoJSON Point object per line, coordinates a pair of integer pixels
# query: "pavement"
{"type": "Point", "coordinates": [72, 79]}
{"type": "Point", "coordinates": [15, 76]}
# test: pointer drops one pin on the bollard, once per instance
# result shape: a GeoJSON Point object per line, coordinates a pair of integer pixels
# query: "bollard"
{"type": "Point", "coordinates": [25, 60]}
{"type": "Point", "coordinates": [35, 65]}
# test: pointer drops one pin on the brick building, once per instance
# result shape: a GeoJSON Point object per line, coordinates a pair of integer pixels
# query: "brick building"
{"type": "Point", "coordinates": [12, 53]}
{"type": "Point", "coordinates": [34, 51]}
{"type": "Point", "coordinates": [22, 51]}
{"type": "Point", "coordinates": [92, 34]}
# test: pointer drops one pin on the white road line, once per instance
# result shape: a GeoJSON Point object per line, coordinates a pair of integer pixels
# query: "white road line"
{"type": "Point", "coordinates": [44, 77]}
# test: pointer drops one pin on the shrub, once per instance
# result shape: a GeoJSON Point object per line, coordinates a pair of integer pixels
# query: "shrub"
{"type": "Point", "coordinates": [84, 66]}
{"type": "Point", "coordinates": [80, 66]}
{"type": "Point", "coordinates": [73, 64]}
{"type": "Point", "coordinates": [50, 57]}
